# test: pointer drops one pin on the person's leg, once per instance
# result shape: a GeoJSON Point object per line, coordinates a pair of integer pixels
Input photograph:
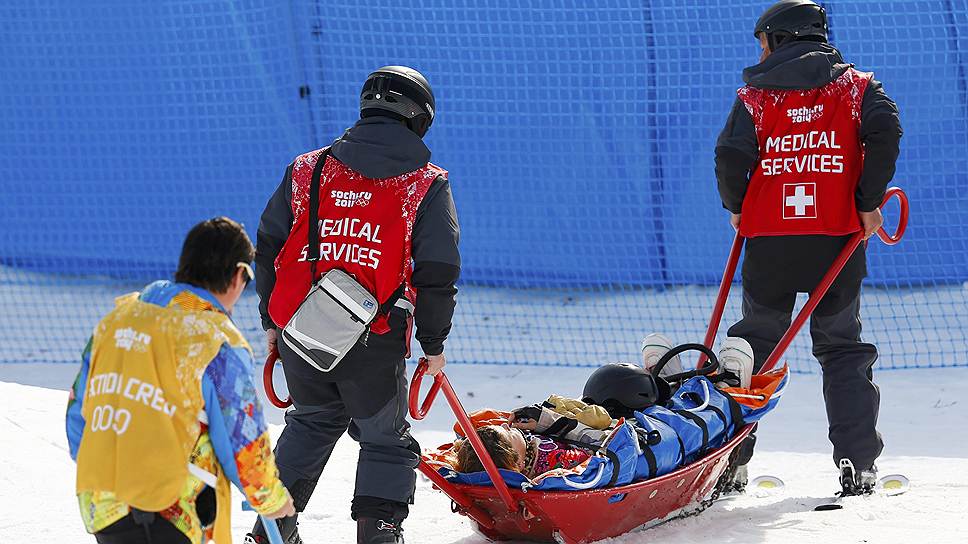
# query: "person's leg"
{"type": "Point", "coordinates": [306, 444]}
{"type": "Point", "coordinates": [157, 530]}
{"type": "Point", "coordinates": [314, 424]}
{"type": "Point", "coordinates": [767, 307]}
{"type": "Point", "coordinates": [851, 397]}
{"type": "Point", "coordinates": [316, 421]}
{"type": "Point", "coordinates": [385, 477]}
{"type": "Point", "coordinates": [763, 326]}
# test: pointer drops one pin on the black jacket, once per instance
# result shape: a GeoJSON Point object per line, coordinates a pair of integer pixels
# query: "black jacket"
{"type": "Point", "coordinates": [808, 65]}
{"type": "Point", "coordinates": [380, 147]}
{"type": "Point", "coordinates": [775, 264]}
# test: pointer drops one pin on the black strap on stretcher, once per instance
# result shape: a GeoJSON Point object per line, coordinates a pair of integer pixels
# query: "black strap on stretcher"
{"type": "Point", "coordinates": [701, 423]}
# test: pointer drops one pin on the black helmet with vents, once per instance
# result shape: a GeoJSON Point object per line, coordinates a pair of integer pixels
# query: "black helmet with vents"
{"type": "Point", "coordinates": [622, 388]}
{"type": "Point", "coordinates": [789, 20]}
{"type": "Point", "coordinates": [402, 93]}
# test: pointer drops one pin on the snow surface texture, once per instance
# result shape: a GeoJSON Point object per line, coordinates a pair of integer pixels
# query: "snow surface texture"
{"type": "Point", "coordinates": [48, 319]}
{"type": "Point", "coordinates": [923, 418]}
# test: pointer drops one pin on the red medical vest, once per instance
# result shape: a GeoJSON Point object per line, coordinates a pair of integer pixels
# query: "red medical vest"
{"type": "Point", "coordinates": [811, 158]}
{"type": "Point", "coordinates": [365, 229]}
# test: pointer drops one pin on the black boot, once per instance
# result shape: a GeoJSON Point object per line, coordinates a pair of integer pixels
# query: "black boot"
{"type": "Point", "coordinates": [288, 528]}
{"type": "Point", "coordinates": [737, 480]}
{"type": "Point", "coordinates": [379, 531]}
{"type": "Point", "coordinates": [856, 482]}
{"type": "Point", "coordinates": [737, 474]}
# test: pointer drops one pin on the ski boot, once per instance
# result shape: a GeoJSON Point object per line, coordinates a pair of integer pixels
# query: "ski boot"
{"type": "Point", "coordinates": [288, 528]}
{"type": "Point", "coordinates": [379, 531]}
{"type": "Point", "coordinates": [737, 475]}
{"type": "Point", "coordinates": [654, 346]}
{"type": "Point", "coordinates": [736, 484]}
{"type": "Point", "coordinates": [855, 482]}
{"type": "Point", "coordinates": [736, 362]}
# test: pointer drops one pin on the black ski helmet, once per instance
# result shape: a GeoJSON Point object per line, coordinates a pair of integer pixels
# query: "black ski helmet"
{"type": "Point", "coordinates": [401, 91]}
{"type": "Point", "coordinates": [624, 387]}
{"type": "Point", "coordinates": [790, 20]}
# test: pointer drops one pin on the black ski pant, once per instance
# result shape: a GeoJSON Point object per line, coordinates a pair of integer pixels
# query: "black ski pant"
{"type": "Point", "coordinates": [150, 528]}
{"type": "Point", "coordinates": [366, 395]}
{"type": "Point", "coordinates": [852, 399]}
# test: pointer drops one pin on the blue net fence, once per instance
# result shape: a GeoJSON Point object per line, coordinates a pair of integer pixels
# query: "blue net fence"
{"type": "Point", "coordinates": [579, 137]}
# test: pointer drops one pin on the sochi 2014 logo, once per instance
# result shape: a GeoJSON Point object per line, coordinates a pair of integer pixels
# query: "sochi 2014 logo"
{"type": "Point", "coordinates": [805, 114]}
{"type": "Point", "coordinates": [348, 199]}
{"type": "Point", "coordinates": [128, 339]}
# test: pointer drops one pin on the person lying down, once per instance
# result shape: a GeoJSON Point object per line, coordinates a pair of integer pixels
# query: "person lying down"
{"type": "Point", "coordinates": [560, 433]}
{"type": "Point", "coordinates": [628, 426]}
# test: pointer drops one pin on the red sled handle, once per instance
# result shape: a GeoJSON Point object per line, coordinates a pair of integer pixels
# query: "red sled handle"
{"type": "Point", "coordinates": [267, 381]}
{"type": "Point", "coordinates": [724, 285]}
{"type": "Point", "coordinates": [902, 200]}
{"type": "Point", "coordinates": [419, 411]}
{"type": "Point", "coordinates": [817, 294]}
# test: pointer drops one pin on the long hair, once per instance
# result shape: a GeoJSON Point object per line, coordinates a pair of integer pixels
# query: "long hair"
{"type": "Point", "coordinates": [497, 446]}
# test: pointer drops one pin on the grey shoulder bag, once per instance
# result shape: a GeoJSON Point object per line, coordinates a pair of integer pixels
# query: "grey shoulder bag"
{"type": "Point", "coordinates": [337, 311]}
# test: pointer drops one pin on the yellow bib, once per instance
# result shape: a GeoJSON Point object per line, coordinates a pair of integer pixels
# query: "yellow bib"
{"type": "Point", "coordinates": [144, 399]}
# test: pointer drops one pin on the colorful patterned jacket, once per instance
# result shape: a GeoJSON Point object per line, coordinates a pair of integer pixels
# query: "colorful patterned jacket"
{"type": "Point", "coordinates": [232, 442]}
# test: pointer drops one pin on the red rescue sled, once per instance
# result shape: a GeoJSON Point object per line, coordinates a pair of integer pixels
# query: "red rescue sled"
{"type": "Point", "coordinates": [578, 517]}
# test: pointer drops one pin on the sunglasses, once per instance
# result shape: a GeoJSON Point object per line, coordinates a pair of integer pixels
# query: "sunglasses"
{"type": "Point", "coordinates": [249, 273]}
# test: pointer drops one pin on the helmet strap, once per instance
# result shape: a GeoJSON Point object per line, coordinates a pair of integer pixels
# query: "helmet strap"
{"type": "Point", "coordinates": [775, 39]}
{"type": "Point", "coordinates": [419, 124]}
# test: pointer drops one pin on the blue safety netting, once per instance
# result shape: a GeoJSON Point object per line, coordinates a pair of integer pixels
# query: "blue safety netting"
{"type": "Point", "coordinates": [579, 137]}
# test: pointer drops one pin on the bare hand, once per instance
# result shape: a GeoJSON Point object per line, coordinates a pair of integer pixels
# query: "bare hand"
{"type": "Point", "coordinates": [287, 510]}
{"type": "Point", "coordinates": [734, 221]}
{"type": "Point", "coordinates": [871, 221]}
{"type": "Point", "coordinates": [435, 363]}
{"type": "Point", "coordinates": [272, 338]}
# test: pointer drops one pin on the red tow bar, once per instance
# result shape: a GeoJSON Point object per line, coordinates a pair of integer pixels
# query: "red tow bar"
{"type": "Point", "coordinates": [818, 292]}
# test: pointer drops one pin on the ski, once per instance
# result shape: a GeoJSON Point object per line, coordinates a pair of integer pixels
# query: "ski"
{"type": "Point", "coordinates": [766, 484]}
{"type": "Point", "coordinates": [760, 486]}
{"type": "Point", "coordinates": [891, 485]}
{"type": "Point", "coordinates": [834, 503]}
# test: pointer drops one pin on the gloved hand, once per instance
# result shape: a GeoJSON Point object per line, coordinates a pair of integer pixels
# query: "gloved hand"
{"type": "Point", "coordinates": [526, 417]}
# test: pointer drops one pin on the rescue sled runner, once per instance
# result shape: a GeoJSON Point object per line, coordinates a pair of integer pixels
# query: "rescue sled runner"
{"type": "Point", "coordinates": [582, 516]}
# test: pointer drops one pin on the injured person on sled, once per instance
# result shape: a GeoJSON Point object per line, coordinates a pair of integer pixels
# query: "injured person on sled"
{"type": "Point", "coordinates": [629, 425]}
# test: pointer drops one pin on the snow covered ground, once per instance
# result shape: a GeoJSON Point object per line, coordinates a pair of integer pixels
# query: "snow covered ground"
{"type": "Point", "coordinates": [923, 420]}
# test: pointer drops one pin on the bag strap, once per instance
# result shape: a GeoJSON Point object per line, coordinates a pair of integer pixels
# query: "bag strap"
{"type": "Point", "coordinates": [391, 301]}
{"type": "Point", "coordinates": [312, 254]}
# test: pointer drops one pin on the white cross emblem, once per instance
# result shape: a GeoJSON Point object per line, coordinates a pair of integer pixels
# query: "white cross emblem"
{"type": "Point", "coordinates": [799, 201]}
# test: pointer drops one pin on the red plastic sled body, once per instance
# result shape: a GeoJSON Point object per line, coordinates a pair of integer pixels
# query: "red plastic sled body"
{"type": "Point", "coordinates": [578, 517]}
